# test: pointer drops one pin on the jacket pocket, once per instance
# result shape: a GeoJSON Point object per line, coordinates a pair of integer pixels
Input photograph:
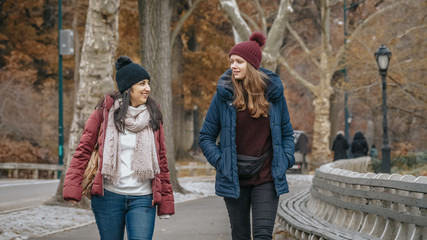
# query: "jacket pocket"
{"type": "Point", "coordinates": [280, 164]}
{"type": "Point", "coordinates": [290, 158]}
{"type": "Point", "coordinates": [224, 165]}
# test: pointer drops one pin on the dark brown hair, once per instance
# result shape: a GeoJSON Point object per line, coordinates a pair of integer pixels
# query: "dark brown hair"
{"type": "Point", "coordinates": [120, 113]}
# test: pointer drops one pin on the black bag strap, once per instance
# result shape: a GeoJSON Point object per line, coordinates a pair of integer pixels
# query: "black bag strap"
{"type": "Point", "coordinates": [252, 158]}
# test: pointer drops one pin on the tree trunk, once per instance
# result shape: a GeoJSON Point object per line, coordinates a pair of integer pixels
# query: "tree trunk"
{"type": "Point", "coordinates": [179, 127]}
{"type": "Point", "coordinates": [333, 116]}
{"type": "Point", "coordinates": [320, 149]}
{"type": "Point", "coordinates": [96, 70]}
{"type": "Point", "coordinates": [196, 130]}
{"type": "Point", "coordinates": [154, 19]}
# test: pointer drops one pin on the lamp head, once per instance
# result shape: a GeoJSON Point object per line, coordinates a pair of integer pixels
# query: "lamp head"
{"type": "Point", "coordinates": [383, 55]}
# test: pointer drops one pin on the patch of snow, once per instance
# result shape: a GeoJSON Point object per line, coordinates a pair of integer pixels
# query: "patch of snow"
{"type": "Point", "coordinates": [42, 220]}
{"type": "Point", "coordinates": [299, 179]}
{"type": "Point", "coordinates": [198, 187]}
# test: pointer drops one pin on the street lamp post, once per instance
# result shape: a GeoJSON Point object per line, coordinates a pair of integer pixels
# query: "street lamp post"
{"type": "Point", "coordinates": [60, 93]}
{"type": "Point", "coordinates": [383, 55]}
{"type": "Point", "coordinates": [65, 47]}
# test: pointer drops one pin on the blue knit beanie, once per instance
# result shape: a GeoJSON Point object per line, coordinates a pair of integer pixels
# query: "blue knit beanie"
{"type": "Point", "coordinates": [128, 73]}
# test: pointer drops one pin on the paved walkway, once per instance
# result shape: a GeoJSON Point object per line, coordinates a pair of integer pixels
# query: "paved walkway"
{"type": "Point", "coordinates": [204, 218]}
{"type": "Point", "coordinates": [200, 219]}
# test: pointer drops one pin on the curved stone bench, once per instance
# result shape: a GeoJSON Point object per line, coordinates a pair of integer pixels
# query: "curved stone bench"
{"type": "Point", "coordinates": [345, 199]}
{"type": "Point", "coordinates": [303, 224]}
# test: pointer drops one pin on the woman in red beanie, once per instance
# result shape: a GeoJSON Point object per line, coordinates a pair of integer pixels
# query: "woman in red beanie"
{"type": "Point", "coordinates": [256, 146]}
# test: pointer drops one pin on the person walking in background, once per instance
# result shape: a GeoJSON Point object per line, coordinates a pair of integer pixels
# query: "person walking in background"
{"type": "Point", "coordinates": [256, 147]}
{"type": "Point", "coordinates": [133, 176]}
{"type": "Point", "coordinates": [373, 153]}
{"type": "Point", "coordinates": [359, 146]}
{"type": "Point", "coordinates": [340, 146]}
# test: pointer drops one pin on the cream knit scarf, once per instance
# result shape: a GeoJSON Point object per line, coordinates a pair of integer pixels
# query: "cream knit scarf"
{"type": "Point", "coordinates": [144, 158]}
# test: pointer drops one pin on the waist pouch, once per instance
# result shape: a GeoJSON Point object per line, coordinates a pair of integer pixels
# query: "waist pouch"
{"type": "Point", "coordinates": [249, 166]}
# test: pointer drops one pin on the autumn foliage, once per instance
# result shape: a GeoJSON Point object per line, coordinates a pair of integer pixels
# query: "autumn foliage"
{"type": "Point", "coordinates": [29, 66]}
{"type": "Point", "coordinates": [23, 152]}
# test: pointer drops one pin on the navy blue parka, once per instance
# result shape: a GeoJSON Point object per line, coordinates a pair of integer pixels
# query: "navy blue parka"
{"type": "Point", "coordinates": [221, 120]}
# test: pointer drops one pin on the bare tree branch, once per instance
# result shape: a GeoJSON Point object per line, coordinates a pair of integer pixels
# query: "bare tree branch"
{"type": "Point", "coordinates": [181, 22]}
{"type": "Point", "coordinates": [406, 110]}
{"type": "Point", "coordinates": [302, 44]}
{"type": "Point", "coordinates": [232, 12]}
{"type": "Point", "coordinates": [352, 90]}
{"type": "Point", "coordinates": [325, 18]}
{"type": "Point", "coordinates": [362, 26]}
{"type": "Point", "coordinates": [263, 20]}
{"type": "Point", "coordinates": [410, 94]}
{"type": "Point", "coordinates": [298, 77]}
{"type": "Point", "coordinates": [250, 20]}
{"type": "Point", "coordinates": [275, 36]}
{"type": "Point", "coordinates": [335, 2]}
{"type": "Point", "coordinates": [410, 30]}
{"type": "Point", "coordinates": [288, 49]}
{"type": "Point", "coordinates": [276, 32]}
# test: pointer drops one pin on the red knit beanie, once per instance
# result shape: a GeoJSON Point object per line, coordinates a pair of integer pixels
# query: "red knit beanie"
{"type": "Point", "coordinates": [250, 50]}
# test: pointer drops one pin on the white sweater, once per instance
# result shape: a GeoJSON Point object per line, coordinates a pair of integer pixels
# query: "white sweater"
{"type": "Point", "coordinates": [128, 185]}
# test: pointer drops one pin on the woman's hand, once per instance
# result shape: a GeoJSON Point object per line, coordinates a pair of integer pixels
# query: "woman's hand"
{"type": "Point", "coordinates": [166, 216]}
{"type": "Point", "coordinates": [74, 202]}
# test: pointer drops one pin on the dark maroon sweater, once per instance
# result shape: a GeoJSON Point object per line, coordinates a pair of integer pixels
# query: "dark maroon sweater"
{"type": "Point", "coordinates": [253, 138]}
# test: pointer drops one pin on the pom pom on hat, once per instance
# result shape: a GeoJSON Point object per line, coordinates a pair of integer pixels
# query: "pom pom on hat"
{"type": "Point", "coordinates": [250, 50]}
{"type": "Point", "coordinates": [122, 61]}
{"type": "Point", "coordinates": [258, 37]}
{"type": "Point", "coordinates": [128, 73]}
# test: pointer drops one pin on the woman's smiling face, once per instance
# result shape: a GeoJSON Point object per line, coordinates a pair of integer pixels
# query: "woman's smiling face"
{"type": "Point", "coordinates": [238, 65]}
{"type": "Point", "coordinates": [139, 93]}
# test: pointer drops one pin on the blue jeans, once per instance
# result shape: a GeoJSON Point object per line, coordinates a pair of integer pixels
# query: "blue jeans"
{"type": "Point", "coordinates": [264, 201]}
{"type": "Point", "coordinates": [115, 211]}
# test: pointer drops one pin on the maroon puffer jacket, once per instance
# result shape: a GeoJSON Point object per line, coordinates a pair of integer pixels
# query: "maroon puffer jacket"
{"type": "Point", "coordinates": [162, 188]}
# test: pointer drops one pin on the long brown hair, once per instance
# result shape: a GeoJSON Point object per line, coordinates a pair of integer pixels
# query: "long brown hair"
{"type": "Point", "coordinates": [249, 92]}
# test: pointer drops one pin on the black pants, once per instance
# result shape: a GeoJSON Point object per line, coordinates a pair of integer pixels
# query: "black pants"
{"type": "Point", "coordinates": [263, 200]}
